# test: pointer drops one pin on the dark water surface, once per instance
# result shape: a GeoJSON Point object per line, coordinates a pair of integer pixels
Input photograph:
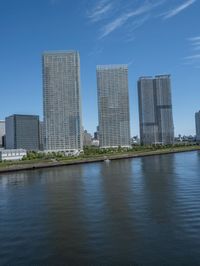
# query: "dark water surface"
{"type": "Point", "coordinates": [142, 211]}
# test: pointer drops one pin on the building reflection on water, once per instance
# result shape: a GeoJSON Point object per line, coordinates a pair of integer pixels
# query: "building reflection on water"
{"type": "Point", "coordinates": [159, 186]}
{"type": "Point", "coordinates": [118, 196]}
{"type": "Point", "coordinates": [141, 211]}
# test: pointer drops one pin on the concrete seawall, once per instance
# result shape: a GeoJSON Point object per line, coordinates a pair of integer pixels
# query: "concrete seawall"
{"type": "Point", "coordinates": [41, 165]}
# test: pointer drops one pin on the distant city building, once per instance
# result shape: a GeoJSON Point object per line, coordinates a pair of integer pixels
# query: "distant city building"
{"type": "Point", "coordinates": [135, 140]}
{"type": "Point", "coordinates": [87, 138]}
{"type": "Point", "coordinates": [185, 139]}
{"type": "Point", "coordinates": [95, 142]}
{"type": "Point", "coordinates": [113, 106]}
{"type": "Point", "coordinates": [155, 110]}
{"type": "Point", "coordinates": [12, 155]}
{"type": "Point", "coordinates": [96, 134]}
{"type": "Point", "coordinates": [178, 139]}
{"type": "Point", "coordinates": [2, 132]}
{"type": "Point", "coordinates": [4, 141]}
{"type": "Point", "coordinates": [197, 121]}
{"type": "Point", "coordinates": [41, 134]}
{"type": "Point", "coordinates": [189, 138]}
{"type": "Point", "coordinates": [22, 132]}
{"type": "Point", "coordinates": [62, 101]}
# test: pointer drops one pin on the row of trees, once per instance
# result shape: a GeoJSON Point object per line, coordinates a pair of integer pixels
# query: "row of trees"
{"type": "Point", "coordinates": [90, 151]}
{"type": "Point", "coordinates": [96, 150]}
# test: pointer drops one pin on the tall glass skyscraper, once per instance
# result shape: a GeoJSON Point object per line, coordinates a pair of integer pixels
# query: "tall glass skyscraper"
{"type": "Point", "coordinates": [62, 101]}
{"type": "Point", "coordinates": [113, 106]}
{"type": "Point", "coordinates": [155, 110]}
{"type": "Point", "coordinates": [197, 120]}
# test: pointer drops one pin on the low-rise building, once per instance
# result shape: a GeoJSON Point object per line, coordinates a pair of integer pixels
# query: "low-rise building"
{"type": "Point", "coordinates": [22, 132]}
{"type": "Point", "coordinates": [135, 140]}
{"type": "Point", "coordinates": [12, 155]}
{"type": "Point", "coordinates": [72, 152]}
{"type": "Point", "coordinates": [95, 142]}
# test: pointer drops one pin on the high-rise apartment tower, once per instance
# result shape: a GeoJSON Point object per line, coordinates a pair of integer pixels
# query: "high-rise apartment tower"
{"type": "Point", "coordinates": [62, 101]}
{"type": "Point", "coordinates": [155, 110]}
{"type": "Point", "coordinates": [197, 121]}
{"type": "Point", "coordinates": [113, 106]}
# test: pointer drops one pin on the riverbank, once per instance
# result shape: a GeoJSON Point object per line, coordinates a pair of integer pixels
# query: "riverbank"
{"type": "Point", "coordinates": [39, 163]}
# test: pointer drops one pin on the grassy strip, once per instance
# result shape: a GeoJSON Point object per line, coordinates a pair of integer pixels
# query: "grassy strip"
{"type": "Point", "coordinates": [94, 155]}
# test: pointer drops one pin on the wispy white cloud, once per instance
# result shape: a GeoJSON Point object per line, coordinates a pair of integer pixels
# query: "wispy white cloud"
{"type": "Point", "coordinates": [133, 26]}
{"type": "Point", "coordinates": [194, 39]}
{"type": "Point", "coordinates": [131, 15]}
{"type": "Point", "coordinates": [178, 9]}
{"type": "Point", "coordinates": [193, 57]}
{"type": "Point", "coordinates": [197, 47]}
{"type": "Point", "coordinates": [195, 43]}
{"type": "Point", "coordinates": [100, 10]}
{"type": "Point", "coordinates": [122, 19]}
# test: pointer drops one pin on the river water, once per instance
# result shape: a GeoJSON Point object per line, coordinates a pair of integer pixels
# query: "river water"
{"type": "Point", "coordinates": [143, 211]}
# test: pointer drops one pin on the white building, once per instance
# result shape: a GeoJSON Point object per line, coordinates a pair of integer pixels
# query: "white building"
{"type": "Point", "coordinates": [72, 152]}
{"type": "Point", "coordinates": [12, 155]}
{"type": "Point", "coordinates": [95, 142]}
{"type": "Point", "coordinates": [113, 106]}
{"type": "Point", "coordinates": [62, 101]}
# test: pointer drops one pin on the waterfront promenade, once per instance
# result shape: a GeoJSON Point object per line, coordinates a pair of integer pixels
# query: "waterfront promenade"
{"type": "Point", "coordinates": [48, 163]}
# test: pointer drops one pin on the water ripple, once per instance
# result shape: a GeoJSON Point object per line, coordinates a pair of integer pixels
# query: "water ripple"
{"type": "Point", "coordinates": [137, 211]}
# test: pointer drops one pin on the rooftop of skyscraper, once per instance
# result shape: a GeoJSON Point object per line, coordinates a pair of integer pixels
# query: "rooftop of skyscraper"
{"type": "Point", "coordinates": [60, 52]}
{"type": "Point", "coordinates": [111, 66]}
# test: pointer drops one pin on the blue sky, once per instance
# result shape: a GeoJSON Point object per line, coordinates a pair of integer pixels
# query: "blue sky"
{"type": "Point", "coordinates": [151, 36]}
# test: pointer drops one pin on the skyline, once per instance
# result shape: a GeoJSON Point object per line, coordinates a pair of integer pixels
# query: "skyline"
{"type": "Point", "coordinates": [105, 32]}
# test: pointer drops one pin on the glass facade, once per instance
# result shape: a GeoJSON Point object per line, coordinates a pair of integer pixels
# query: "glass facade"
{"type": "Point", "coordinates": [155, 110]}
{"type": "Point", "coordinates": [22, 132]}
